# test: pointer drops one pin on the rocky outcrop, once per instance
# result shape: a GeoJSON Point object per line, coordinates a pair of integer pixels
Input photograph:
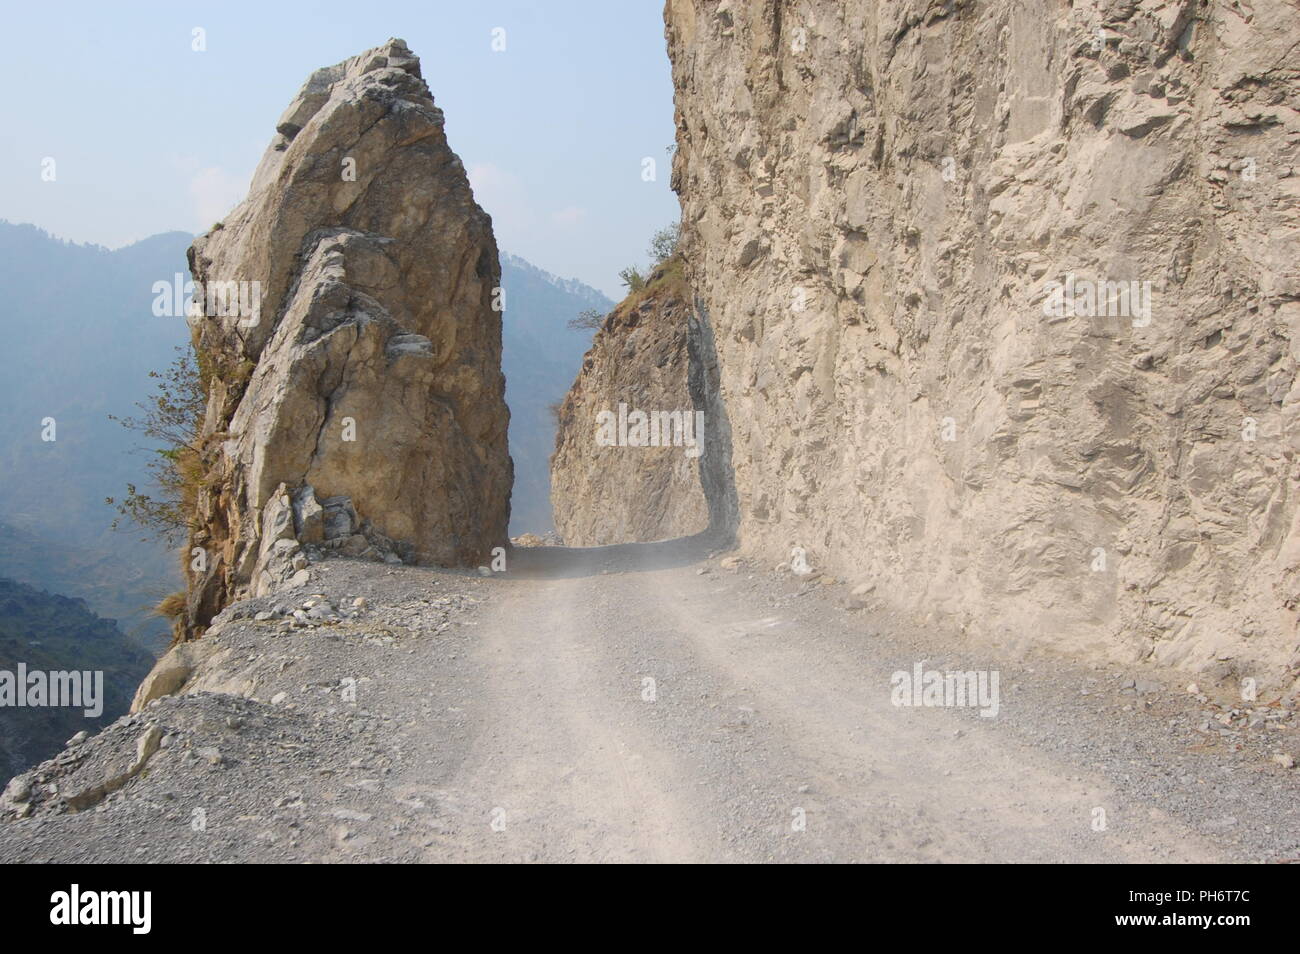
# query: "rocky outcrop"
{"type": "Point", "coordinates": [350, 345]}
{"type": "Point", "coordinates": [900, 216]}
{"type": "Point", "coordinates": [630, 438]}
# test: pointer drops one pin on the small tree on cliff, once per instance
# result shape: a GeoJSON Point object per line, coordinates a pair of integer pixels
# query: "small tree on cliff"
{"type": "Point", "coordinates": [663, 244]}
{"type": "Point", "coordinates": [632, 278]}
{"type": "Point", "coordinates": [170, 418]}
{"type": "Point", "coordinates": [589, 319]}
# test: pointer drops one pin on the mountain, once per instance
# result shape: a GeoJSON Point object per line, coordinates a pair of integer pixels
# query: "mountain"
{"type": "Point", "coordinates": [115, 588]}
{"type": "Point", "coordinates": [541, 357]}
{"type": "Point", "coordinates": [46, 633]}
{"type": "Point", "coordinates": [80, 339]}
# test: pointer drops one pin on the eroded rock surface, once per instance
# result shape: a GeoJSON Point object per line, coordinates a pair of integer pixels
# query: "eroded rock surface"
{"type": "Point", "coordinates": [355, 395]}
{"type": "Point", "coordinates": [617, 477]}
{"type": "Point", "coordinates": [876, 199]}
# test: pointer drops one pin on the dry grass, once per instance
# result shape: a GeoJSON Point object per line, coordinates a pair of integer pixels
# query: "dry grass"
{"type": "Point", "coordinates": [668, 277]}
{"type": "Point", "coordinates": [171, 606]}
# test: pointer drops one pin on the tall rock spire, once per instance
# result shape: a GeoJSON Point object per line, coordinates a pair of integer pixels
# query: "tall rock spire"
{"type": "Point", "coordinates": [349, 335]}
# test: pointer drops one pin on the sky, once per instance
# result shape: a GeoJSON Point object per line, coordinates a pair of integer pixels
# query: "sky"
{"type": "Point", "coordinates": [149, 135]}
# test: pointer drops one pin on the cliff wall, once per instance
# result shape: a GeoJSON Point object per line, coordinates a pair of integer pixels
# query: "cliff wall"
{"type": "Point", "coordinates": [1004, 298]}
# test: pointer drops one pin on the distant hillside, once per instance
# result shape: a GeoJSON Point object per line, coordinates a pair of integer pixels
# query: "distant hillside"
{"type": "Point", "coordinates": [117, 589]}
{"type": "Point", "coordinates": [541, 358]}
{"type": "Point", "coordinates": [80, 341]}
{"type": "Point", "coordinates": [47, 632]}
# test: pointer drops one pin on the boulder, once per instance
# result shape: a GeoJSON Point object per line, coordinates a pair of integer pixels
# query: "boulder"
{"type": "Point", "coordinates": [345, 308]}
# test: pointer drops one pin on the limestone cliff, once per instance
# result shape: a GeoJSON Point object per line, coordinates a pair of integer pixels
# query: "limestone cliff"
{"type": "Point", "coordinates": [351, 349]}
{"type": "Point", "coordinates": [1005, 302]}
{"type": "Point", "coordinates": [629, 440]}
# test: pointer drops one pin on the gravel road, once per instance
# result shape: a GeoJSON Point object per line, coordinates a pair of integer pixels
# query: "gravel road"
{"type": "Point", "coordinates": [654, 703]}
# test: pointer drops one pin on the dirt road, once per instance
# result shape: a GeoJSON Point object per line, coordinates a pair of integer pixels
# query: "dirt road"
{"type": "Point", "coordinates": [649, 704]}
{"type": "Point", "coordinates": [649, 712]}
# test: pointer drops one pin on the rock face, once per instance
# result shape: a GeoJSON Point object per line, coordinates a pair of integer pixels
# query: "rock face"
{"type": "Point", "coordinates": [350, 345]}
{"type": "Point", "coordinates": [896, 216]}
{"type": "Point", "coordinates": [622, 471]}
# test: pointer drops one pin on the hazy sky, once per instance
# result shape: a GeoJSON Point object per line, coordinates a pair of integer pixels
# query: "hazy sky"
{"type": "Point", "coordinates": [149, 135]}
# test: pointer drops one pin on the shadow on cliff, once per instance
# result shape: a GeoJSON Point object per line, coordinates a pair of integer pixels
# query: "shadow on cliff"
{"type": "Point", "coordinates": [704, 382]}
{"type": "Point", "coordinates": [538, 563]}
